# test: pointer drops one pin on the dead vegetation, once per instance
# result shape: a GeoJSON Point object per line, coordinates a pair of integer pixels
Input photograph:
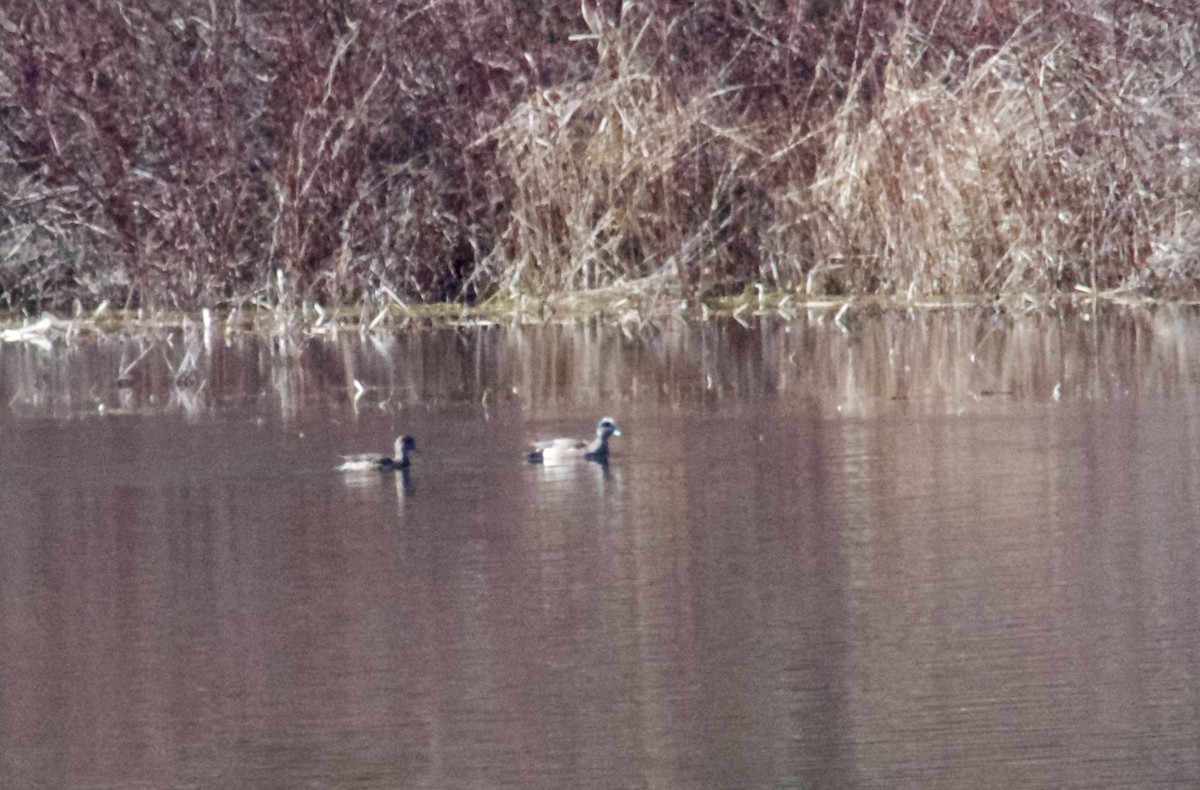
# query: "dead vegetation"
{"type": "Point", "coordinates": [223, 155]}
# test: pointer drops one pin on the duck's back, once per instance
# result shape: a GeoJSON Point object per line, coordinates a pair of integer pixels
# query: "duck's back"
{"type": "Point", "coordinates": [554, 450]}
{"type": "Point", "coordinates": [361, 461]}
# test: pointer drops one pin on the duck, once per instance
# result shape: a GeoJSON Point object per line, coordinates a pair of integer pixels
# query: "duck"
{"type": "Point", "coordinates": [370, 461]}
{"type": "Point", "coordinates": [557, 451]}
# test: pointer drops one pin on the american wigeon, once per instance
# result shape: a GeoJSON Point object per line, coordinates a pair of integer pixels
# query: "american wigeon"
{"type": "Point", "coordinates": [365, 462]}
{"type": "Point", "coordinates": [557, 451]}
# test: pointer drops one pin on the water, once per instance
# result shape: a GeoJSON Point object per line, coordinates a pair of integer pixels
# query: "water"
{"type": "Point", "coordinates": [941, 550]}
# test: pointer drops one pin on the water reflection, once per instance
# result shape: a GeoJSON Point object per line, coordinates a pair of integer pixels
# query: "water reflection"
{"type": "Point", "coordinates": [372, 480]}
{"type": "Point", "coordinates": [928, 360]}
{"type": "Point", "coordinates": [886, 557]}
{"type": "Point", "coordinates": [573, 470]}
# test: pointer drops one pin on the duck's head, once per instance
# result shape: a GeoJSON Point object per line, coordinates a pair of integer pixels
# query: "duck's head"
{"type": "Point", "coordinates": [404, 445]}
{"type": "Point", "coordinates": [607, 427]}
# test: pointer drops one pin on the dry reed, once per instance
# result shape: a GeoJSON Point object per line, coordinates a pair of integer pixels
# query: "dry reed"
{"type": "Point", "coordinates": [205, 155]}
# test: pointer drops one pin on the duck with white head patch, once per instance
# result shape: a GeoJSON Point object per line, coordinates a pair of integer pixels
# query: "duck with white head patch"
{"type": "Point", "coordinates": [558, 451]}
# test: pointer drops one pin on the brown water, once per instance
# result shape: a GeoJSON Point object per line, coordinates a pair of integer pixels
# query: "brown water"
{"type": "Point", "coordinates": [932, 551]}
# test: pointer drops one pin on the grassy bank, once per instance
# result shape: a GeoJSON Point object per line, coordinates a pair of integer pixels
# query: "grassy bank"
{"type": "Point", "coordinates": [217, 155]}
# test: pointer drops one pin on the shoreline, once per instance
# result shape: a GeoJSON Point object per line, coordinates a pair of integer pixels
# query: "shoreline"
{"type": "Point", "coordinates": [620, 308]}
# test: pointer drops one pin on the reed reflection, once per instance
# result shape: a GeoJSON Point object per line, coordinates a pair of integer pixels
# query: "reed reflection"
{"type": "Point", "coordinates": [930, 361]}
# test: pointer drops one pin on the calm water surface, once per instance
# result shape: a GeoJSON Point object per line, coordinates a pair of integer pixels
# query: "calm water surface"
{"type": "Point", "coordinates": [934, 551]}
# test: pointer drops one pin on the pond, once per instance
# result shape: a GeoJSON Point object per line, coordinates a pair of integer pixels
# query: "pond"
{"type": "Point", "coordinates": [938, 549]}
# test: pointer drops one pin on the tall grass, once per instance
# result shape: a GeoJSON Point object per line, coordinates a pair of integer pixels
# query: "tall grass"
{"type": "Point", "coordinates": [206, 154]}
{"type": "Point", "coordinates": [1031, 165]}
